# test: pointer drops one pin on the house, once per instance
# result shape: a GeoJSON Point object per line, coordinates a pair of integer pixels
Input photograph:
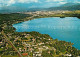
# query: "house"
{"type": "Point", "coordinates": [40, 50]}
{"type": "Point", "coordinates": [45, 47]}
{"type": "Point", "coordinates": [69, 55]}
{"type": "Point", "coordinates": [25, 40]}
{"type": "Point", "coordinates": [40, 43]}
{"type": "Point", "coordinates": [28, 45]}
{"type": "Point", "coordinates": [0, 42]}
{"type": "Point", "coordinates": [31, 49]}
{"type": "Point", "coordinates": [20, 49]}
{"type": "Point", "coordinates": [24, 54]}
{"type": "Point", "coordinates": [37, 54]}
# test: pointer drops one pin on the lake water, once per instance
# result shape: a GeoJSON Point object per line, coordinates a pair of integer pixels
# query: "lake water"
{"type": "Point", "coordinates": [66, 29]}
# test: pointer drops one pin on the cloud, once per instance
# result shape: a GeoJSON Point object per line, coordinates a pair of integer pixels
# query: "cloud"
{"type": "Point", "coordinates": [10, 2]}
{"type": "Point", "coordinates": [54, 0]}
{"type": "Point", "coordinates": [4, 3]}
{"type": "Point", "coordinates": [27, 1]}
{"type": "Point", "coordinates": [62, 2]}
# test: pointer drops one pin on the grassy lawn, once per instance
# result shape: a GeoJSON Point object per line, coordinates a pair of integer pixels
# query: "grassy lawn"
{"type": "Point", "coordinates": [1, 49]}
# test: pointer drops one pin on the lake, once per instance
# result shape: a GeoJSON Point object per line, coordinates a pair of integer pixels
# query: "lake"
{"type": "Point", "coordinates": [66, 29]}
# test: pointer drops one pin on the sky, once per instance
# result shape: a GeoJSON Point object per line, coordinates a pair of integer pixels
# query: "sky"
{"type": "Point", "coordinates": [34, 3]}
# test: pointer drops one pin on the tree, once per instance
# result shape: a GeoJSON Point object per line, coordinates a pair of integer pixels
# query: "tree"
{"type": "Point", "coordinates": [0, 29]}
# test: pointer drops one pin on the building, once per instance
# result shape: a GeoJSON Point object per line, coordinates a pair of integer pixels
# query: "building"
{"type": "Point", "coordinates": [24, 54]}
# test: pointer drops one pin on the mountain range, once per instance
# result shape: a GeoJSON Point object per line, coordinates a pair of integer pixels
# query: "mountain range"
{"type": "Point", "coordinates": [67, 6]}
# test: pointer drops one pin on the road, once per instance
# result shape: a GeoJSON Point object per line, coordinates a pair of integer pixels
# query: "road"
{"type": "Point", "coordinates": [11, 43]}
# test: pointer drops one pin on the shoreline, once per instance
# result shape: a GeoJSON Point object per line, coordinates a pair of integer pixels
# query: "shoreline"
{"type": "Point", "coordinates": [39, 32]}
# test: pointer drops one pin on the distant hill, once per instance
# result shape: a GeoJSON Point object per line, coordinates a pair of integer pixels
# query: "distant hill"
{"type": "Point", "coordinates": [70, 4]}
{"type": "Point", "coordinates": [67, 6]}
{"type": "Point", "coordinates": [21, 10]}
{"type": "Point", "coordinates": [14, 9]}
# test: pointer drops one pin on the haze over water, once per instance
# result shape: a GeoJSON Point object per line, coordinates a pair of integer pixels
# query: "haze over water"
{"type": "Point", "coordinates": [66, 29]}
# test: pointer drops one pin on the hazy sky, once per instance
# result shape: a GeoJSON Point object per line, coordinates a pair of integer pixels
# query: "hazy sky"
{"type": "Point", "coordinates": [35, 3]}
